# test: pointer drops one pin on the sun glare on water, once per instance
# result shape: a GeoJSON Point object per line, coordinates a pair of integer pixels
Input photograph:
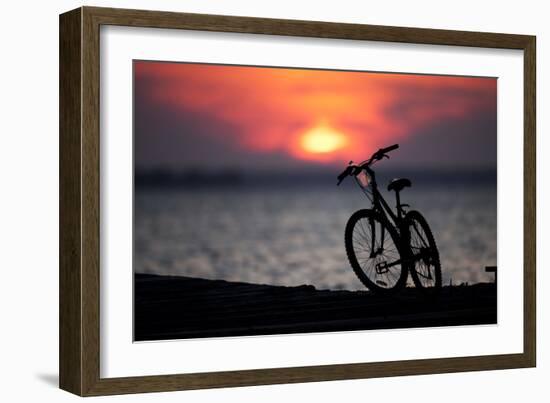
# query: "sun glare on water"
{"type": "Point", "coordinates": [322, 139]}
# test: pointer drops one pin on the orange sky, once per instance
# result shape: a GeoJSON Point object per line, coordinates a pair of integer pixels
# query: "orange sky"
{"type": "Point", "coordinates": [313, 115]}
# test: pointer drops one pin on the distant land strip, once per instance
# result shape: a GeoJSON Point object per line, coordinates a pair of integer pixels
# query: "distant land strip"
{"type": "Point", "coordinates": [165, 178]}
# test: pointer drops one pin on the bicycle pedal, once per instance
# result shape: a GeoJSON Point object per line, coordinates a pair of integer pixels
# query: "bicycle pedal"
{"type": "Point", "coordinates": [381, 267]}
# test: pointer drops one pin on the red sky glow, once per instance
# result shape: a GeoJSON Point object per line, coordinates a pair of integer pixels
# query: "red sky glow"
{"type": "Point", "coordinates": [311, 115]}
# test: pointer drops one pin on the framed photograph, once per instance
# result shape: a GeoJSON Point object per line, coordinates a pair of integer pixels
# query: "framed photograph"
{"type": "Point", "coordinates": [248, 201]}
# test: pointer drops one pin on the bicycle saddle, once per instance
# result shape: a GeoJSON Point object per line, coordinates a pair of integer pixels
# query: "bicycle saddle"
{"type": "Point", "coordinates": [399, 184]}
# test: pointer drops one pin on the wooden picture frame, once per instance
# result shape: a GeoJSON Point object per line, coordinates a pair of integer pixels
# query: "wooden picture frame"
{"type": "Point", "coordinates": [79, 279]}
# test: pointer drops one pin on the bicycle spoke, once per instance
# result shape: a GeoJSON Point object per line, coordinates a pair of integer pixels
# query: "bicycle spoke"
{"type": "Point", "coordinates": [385, 252]}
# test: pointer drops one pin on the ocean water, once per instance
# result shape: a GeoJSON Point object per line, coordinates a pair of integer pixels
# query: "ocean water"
{"type": "Point", "coordinates": [292, 235]}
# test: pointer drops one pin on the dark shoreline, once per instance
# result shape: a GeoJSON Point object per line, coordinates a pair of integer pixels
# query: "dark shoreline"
{"type": "Point", "coordinates": [169, 307]}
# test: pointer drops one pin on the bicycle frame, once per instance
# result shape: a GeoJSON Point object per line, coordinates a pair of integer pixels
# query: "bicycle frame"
{"type": "Point", "coordinates": [380, 205]}
{"type": "Point", "coordinates": [390, 218]}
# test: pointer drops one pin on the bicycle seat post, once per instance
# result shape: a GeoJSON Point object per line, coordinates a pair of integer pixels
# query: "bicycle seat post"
{"type": "Point", "coordinates": [398, 185]}
{"type": "Point", "coordinates": [398, 204]}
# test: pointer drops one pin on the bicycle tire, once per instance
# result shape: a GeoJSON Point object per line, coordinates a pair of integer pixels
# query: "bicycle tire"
{"type": "Point", "coordinates": [428, 268]}
{"type": "Point", "coordinates": [372, 279]}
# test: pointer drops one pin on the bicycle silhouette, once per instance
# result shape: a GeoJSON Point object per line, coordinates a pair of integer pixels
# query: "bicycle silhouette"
{"type": "Point", "coordinates": [383, 262]}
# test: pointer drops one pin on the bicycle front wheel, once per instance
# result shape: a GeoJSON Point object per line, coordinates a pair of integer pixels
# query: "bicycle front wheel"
{"type": "Point", "coordinates": [425, 266]}
{"type": "Point", "coordinates": [374, 252]}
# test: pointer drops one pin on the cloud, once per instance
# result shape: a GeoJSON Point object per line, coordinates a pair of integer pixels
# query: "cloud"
{"type": "Point", "coordinates": [264, 111]}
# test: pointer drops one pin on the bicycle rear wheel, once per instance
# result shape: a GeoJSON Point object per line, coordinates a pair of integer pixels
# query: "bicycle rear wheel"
{"type": "Point", "coordinates": [374, 252]}
{"type": "Point", "coordinates": [425, 266]}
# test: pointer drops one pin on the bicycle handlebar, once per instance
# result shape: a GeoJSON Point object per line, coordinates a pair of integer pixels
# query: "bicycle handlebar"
{"type": "Point", "coordinates": [377, 156]}
{"type": "Point", "coordinates": [345, 173]}
{"type": "Point", "coordinates": [388, 149]}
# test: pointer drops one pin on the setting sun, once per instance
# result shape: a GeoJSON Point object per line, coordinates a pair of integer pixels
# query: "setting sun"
{"type": "Point", "coordinates": [322, 139]}
{"type": "Point", "coordinates": [300, 117]}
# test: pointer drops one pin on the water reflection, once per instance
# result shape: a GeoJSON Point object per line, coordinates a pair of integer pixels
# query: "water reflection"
{"type": "Point", "coordinates": [290, 235]}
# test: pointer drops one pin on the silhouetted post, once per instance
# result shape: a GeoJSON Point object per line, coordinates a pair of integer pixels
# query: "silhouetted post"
{"type": "Point", "coordinates": [492, 269]}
